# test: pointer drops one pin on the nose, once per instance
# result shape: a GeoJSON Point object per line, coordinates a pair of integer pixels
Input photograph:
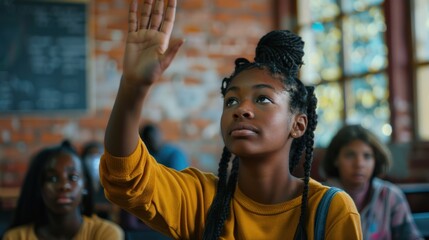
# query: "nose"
{"type": "Point", "coordinates": [360, 161]}
{"type": "Point", "coordinates": [64, 184]}
{"type": "Point", "coordinates": [244, 110]}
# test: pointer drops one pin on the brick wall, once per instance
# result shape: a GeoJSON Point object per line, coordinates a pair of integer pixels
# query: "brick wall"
{"type": "Point", "coordinates": [186, 103]}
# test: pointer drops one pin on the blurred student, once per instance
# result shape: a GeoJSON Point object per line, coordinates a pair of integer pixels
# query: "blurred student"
{"type": "Point", "coordinates": [91, 154]}
{"type": "Point", "coordinates": [353, 161]}
{"type": "Point", "coordinates": [164, 153]}
{"type": "Point", "coordinates": [56, 201]}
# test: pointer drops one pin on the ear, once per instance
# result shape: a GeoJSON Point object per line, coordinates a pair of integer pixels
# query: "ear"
{"type": "Point", "coordinates": [299, 125]}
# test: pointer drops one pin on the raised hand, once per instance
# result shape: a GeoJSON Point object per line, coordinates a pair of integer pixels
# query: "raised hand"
{"type": "Point", "coordinates": [149, 50]}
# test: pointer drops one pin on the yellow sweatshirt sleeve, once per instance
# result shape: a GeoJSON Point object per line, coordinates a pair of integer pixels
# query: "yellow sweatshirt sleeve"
{"type": "Point", "coordinates": [173, 202]}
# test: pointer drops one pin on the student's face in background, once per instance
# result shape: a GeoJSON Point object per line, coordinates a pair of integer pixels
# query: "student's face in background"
{"type": "Point", "coordinates": [355, 163]}
{"type": "Point", "coordinates": [63, 183]}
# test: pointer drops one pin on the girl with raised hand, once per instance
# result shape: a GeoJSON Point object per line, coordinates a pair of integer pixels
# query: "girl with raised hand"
{"type": "Point", "coordinates": [268, 121]}
{"type": "Point", "coordinates": [56, 201]}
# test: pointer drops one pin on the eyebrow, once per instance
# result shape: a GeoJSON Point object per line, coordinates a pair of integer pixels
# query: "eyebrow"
{"type": "Point", "coordinates": [71, 168]}
{"type": "Point", "coordinates": [257, 86]}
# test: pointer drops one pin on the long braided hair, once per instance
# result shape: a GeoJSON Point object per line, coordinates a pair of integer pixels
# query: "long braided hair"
{"type": "Point", "coordinates": [280, 53]}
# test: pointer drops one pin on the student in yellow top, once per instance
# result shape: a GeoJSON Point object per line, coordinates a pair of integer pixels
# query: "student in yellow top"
{"type": "Point", "coordinates": [56, 201]}
{"type": "Point", "coordinates": [268, 121]}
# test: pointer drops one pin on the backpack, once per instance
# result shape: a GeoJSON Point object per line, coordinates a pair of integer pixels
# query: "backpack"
{"type": "Point", "coordinates": [322, 213]}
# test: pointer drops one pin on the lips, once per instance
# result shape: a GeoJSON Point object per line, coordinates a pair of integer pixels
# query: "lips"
{"type": "Point", "coordinates": [242, 129]}
{"type": "Point", "coordinates": [358, 175]}
{"type": "Point", "coordinates": [64, 200]}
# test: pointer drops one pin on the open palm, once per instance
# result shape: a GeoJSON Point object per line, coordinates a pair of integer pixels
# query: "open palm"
{"type": "Point", "coordinates": [148, 50]}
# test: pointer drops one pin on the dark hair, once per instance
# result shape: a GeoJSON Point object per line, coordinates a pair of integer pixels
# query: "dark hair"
{"type": "Point", "coordinates": [151, 135]}
{"type": "Point", "coordinates": [280, 53]}
{"type": "Point", "coordinates": [348, 134]}
{"type": "Point", "coordinates": [89, 146]}
{"type": "Point", "coordinates": [30, 207]}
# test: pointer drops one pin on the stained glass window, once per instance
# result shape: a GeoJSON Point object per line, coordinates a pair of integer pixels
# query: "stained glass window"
{"type": "Point", "coordinates": [330, 112]}
{"type": "Point", "coordinates": [367, 103]}
{"type": "Point", "coordinates": [346, 59]}
{"type": "Point", "coordinates": [364, 46]}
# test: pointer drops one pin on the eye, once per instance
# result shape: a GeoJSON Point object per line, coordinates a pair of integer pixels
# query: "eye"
{"type": "Point", "coordinates": [349, 155]}
{"type": "Point", "coordinates": [74, 177]}
{"type": "Point", "coordinates": [230, 102]}
{"type": "Point", "coordinates": [51, 179]}
{"type": "Point", "coordinates": [263, 99]}
{"type": "Point", "coordinates": [368, 156]}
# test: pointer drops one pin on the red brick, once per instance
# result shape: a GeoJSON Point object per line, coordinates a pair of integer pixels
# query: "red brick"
{"type": "Point", "coordinates": [262, 7]}
{"type": "Point", "coordinates": [228, 4]}
{"type": "Point", "coordinates": [27, 137]}
{"type": "Point", "coordinates": [5, 123]}
{"type": "Point", "coordinates": [192, 81]}
{"type": "Point", "coordinates": [170, 129]}
{"type": "Point", "coordinates": [51, 138]}
{"type": "Point", "coordinates": [93, 123]}
{"type": "Point", "coordinates": [191, 5]}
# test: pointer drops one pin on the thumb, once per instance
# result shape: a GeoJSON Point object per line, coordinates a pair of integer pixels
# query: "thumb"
{"type": "Point", "coordinates": [173, 48]}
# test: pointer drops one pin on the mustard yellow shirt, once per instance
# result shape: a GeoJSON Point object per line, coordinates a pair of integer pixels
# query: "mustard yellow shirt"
{"type": "Point", "coordinates": [176, 202]}
{"type": "Point", "coordinates": [92, 228]}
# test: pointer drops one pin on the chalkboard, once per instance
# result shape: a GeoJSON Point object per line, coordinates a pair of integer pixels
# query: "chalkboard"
{"type": "Point", "coordinates": [43, 56]}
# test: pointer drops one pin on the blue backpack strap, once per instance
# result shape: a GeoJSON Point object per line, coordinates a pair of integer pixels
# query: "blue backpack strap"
{"type": "Point", "coordinates": [322, 213]}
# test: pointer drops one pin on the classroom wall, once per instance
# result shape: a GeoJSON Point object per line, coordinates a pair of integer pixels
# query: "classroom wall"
{"type": "Point", "coordinates": [186, 103]}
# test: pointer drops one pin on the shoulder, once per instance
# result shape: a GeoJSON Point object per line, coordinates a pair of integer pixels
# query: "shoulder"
{"type": "Point", "coordinates": [388, 193]}
{"type": "Point", "coordinates": [21, 232]}
{"type": "Point", "coordinates": [340, 200]}
{"type": "Point", "coordinates": [102, 227]}
{"type": "Point", "coordinates": [385, 187]}
{"type": "Point", "coordinates": [201, 176]}
{"type": "Point", "coordinates": [342, 216]}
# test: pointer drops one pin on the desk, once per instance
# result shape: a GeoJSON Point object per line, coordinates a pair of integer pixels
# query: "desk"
{"type": "Point", "coordinates": [414, 188]}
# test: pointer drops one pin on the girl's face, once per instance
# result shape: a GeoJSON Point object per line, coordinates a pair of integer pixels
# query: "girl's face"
{"type": "Point", "coordinates": [355, 163]}
{"type": "Point", "coordinates": [256, 117]}
{"type": "Point", "coordinates": [63, 183]}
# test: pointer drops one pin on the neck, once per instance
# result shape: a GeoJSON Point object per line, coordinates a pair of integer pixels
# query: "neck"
{"type": "Point", "coordinates": [359, 194]}
{"type": "Point", "coordinates": [268, 184]}
{"type": "Point", "coordinates": [61, 226]}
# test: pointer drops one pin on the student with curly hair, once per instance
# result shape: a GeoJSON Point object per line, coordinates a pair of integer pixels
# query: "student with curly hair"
{"type": "Point", "coordinates": [267, 123]}
{"type": "Point", "coordinates": [56, 200]}
{"type": "Point", "coordinates": [354, 160]}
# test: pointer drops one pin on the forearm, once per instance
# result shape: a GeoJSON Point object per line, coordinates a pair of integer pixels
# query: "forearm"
{"type": "Point", "coordinates": [121, 135]}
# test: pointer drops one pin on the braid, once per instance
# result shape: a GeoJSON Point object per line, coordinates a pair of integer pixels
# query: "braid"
{"type": "Point", "coordinates": [217, 205]}
{"type": "Point", "coordinates": [309, 142]}
{"type": "Point", "coordinates": [232, 182]}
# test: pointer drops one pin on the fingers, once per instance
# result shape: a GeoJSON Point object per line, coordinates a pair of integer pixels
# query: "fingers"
{"type": "Point", "coordinates": [153, 17]}
{"type": "Point", "coordinates": [132, 17]}
{"type": "Point", "coordinates": [145, 16]}
{"type": "Point", "coordinates": [156, 17]}
{"type": "Point", "coordinates": [170, 13]}
{"type": "Point", "coordinates": [169, 55]}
